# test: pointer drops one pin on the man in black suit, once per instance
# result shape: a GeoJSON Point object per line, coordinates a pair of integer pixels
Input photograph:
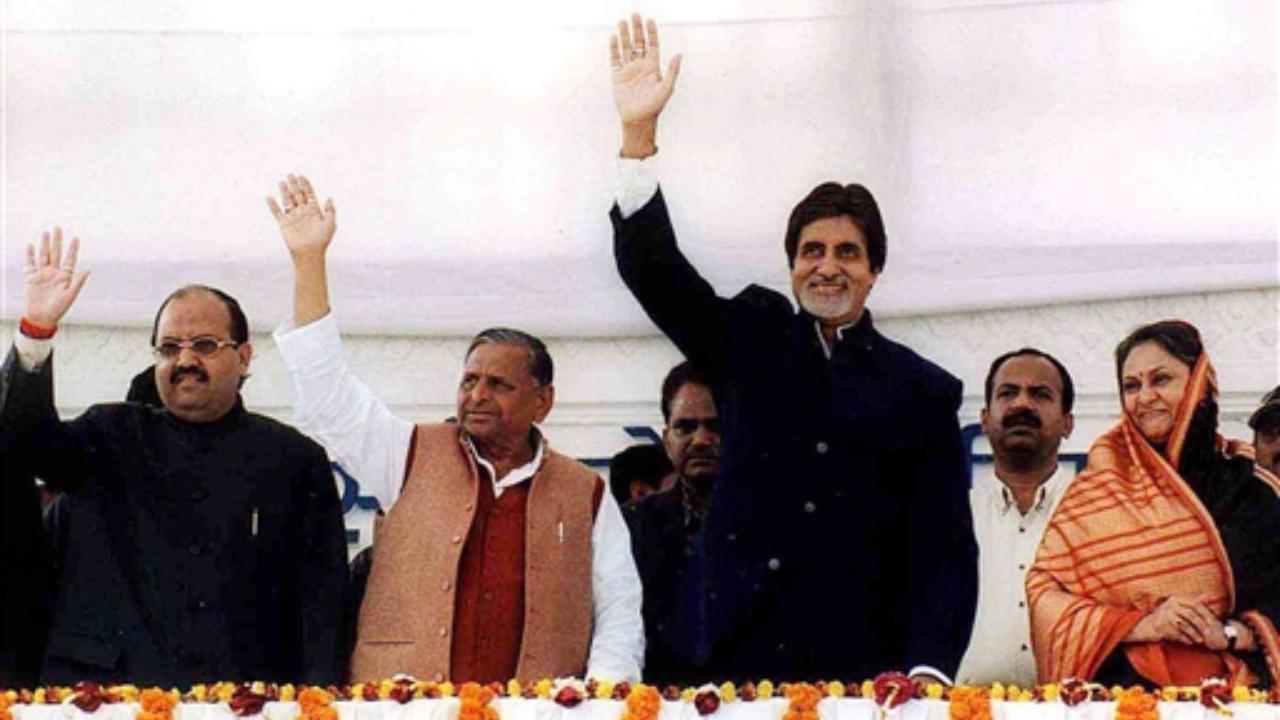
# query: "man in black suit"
{"type": "Point", "coordinates": [203, 542]}
{"type": "Point", "coordinates": [839, 541]}
{"type": "Point", "coordinates": [26, 573]}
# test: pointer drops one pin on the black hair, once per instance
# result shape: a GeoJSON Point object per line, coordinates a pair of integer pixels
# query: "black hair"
{"type": "Point", "coordinates": [831, 199]}
{"type": "Point", "coordinates": [646, 463]}
{"type": "Point", "coordinates": [678, 377]}
{"type": "Point", "coordinates": [1177, 337]}
{"type": "Point", "coordinates": [239, 324]}
{"type": "Point", "coordinates": [1068, 387]}
{"type": "Point", "coordinates": [540, 365]}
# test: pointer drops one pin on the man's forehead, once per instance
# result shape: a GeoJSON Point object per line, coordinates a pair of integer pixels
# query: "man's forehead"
{"type": "Point", "coordinates": [195, 308]}
{"type": "Point", "coordinates": [1028, 371]}
{"type": "Point", "coordinates": [503, 359]}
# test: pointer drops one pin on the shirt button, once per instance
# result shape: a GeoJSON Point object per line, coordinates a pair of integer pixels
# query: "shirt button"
{"type": "Point", "coordinates": [195, 549]}
{"type": "Point", "coordinates": [774, 563]}
{"type": "Point", "coordinates": [445, 631]}
{"type": "Point", "coordinates": [1022, 530]}
{"type": "Point", "coordinates": [1022, 603]}
{"type": "Point", "coordinates": [821, 447]}
{"type": "Point", "coordinates": [1022, 566]}
{"type": "Point", "coordinates": [1024, 647]}
{"type": "Point", "coordinates": [809, 507]}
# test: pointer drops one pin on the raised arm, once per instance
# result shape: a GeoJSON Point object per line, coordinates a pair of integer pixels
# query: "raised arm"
{"type": "Point", "coordinates": [307, 229]}
{"type": "Point", "coordinates": [26, 381]}
{"type": "Point", "coordinates": [640, 91]}
{"type": "Point", "coordinates": [331, 404]}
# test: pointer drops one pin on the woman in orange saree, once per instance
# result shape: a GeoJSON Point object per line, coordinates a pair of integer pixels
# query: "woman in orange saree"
{"type": "Point", "coordinates": [1161, 565]}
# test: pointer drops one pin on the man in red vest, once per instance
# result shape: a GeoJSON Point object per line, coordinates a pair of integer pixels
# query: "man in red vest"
{"type": "Point", "coordinates": [499, 558]}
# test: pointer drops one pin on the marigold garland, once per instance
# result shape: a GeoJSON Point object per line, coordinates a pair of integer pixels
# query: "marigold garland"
{"type": "Point", "coordinates": [969, 703]}
{"type": "Point", "coordinates": [316, 704]}
{"type": "Point", "coordinates": [802, 701]}
{"type": "Point", "coordinates": [1136, 704]}
{"type": "Point", "coordinates": [6, 699]}
{"type": "Point", "coordinates": [644, 702]}
{"type": "Point", "coordinates": [156, 704]}
{"type": "Point", "coordinates": [475, 699]}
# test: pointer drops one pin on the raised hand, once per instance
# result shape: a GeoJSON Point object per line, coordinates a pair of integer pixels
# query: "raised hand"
{"type": "Point", "coordinates": [307, 228]}
{"type": "Point", "coordinates": [640, 91]}
{"type": "Point", "coordinates": [51, 279]}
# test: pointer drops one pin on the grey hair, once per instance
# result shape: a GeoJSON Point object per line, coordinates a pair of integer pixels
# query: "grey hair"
{"type": "Point", "coordinates": [540, 365]}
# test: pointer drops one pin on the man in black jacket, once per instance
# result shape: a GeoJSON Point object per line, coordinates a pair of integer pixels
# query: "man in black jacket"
{"type": "Point", "coordinates": [839, 541]}
{"type": "Point", "coordinates": [203, 542]}
{"type": "Point", "coordinates": [26, 573]}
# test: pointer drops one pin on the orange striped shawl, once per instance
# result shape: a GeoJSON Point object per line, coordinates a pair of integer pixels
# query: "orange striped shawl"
{"type": "Point", "coordinates": [1128, 534]}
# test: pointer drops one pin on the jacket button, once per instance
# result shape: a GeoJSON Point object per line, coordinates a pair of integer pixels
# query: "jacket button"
{"type": "Point", "coordinates": [774, 563]}
{"type": "Point", "coordinates": [809, 507]}
{"type": "Point", "coordinates": [822, 447]}
{"type": "Point", "coordinates": [195, 549]}
{"type": "Point", "coordinates": [443, 631]}
{"type": "Point", "coordinates": [439, 677]}
{"type": "Point", "coordinates": [446, 585]}
{"type": "Point", "coordinates": [455, 539]}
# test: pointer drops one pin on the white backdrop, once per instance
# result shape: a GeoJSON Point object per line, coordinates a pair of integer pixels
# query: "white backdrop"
{"type": "Point", "coordinates": [1024, 152]}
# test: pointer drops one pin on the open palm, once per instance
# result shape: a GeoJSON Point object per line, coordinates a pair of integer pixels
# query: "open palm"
{"type": "Point", "coordinates": [52, 283]}
{"type": "Point", "coordinates": [640, 91]}
{"type": "Point", "coordinates": [306, 227]}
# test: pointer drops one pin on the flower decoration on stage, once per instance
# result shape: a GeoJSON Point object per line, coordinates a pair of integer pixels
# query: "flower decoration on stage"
{"type": "Point", "coordinates": [316, 704]}
{"type": "Point", "coordinates": [1074, 691]}
{"type": "Point", "coordinates": [644, 702]}
{"type": "Point", "coordinates": [156, 704]}
{"type": "Point", "coordinates": [1216, 694]}
{"type": "Point", "coordinates": [1136, 704]}
{"type": "Point", "coordinates": [892, 690]}
{"type": "Point", "coordinates": [7, 699]}
{"type": "Point", "coordinates": [247, 700]}
{"type": "Point", "coordinates": [802, 701]}
{"type": "Point", "coordinates": [475, 699]}
{"type": "Point", "coordinates": [568, 692]}
{"type": "Point", "coordinates": [706, 700]}
{"type": "Point", "coordinates": [969, 703]}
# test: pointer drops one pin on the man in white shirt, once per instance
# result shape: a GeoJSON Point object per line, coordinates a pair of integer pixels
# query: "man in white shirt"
{"type": "Point", "coordinates": [498, 558]}
{"type": "Point", "coordinates": [1029, 395]}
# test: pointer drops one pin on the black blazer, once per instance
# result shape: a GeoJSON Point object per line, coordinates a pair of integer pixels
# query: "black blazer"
{"type": "Point", "coordinates": [839, 541]}
{"type": "Point", "coordinates": [193, 552]}
{"type": "Point", "coordinates": [26, 573]}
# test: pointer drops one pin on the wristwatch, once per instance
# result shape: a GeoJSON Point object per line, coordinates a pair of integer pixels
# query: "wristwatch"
{"type": "Point", "coordinates": [1233, 636]}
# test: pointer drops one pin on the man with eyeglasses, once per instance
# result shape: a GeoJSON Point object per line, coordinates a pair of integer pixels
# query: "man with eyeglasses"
{"type": "Point", "coordinates": [664, 528]}
{"type": "Point", "coordinates": [204, 542]}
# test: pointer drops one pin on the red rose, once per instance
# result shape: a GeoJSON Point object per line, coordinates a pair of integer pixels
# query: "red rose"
{"type": "Point", "coordinates": [568, 696]}
{"type": "Point", "coordinates": [87, 696]}
{"type": "Point", "coordinates": [621, 690]}
{"type": "Point", "coordinates": [706, 702]}
{"type": "Point", "coordinates": [1214, 693]}
{"type": "Point", "coordinates": [893, 689]}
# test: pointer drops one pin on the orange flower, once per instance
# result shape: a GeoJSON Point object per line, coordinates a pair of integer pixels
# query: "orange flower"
{"type": "Point", "coordinates": [802, 701]}
{"type": "Point", "coordinates": [969, 703]}
{"type": "Point", "coordinates": [316, 704]}
{"type": "Point", "coordinates": [644, 702]}
{"type": "Point", "coordinates": [1136, 704]}
{"type": "Point", "coordinates": [475, 700]}
{"type": "Point", "coordinates": [156, 704]}
{"type": "Point", "coordinates": [4, 707]}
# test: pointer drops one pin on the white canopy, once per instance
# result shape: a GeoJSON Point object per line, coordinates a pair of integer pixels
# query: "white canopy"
{"type": "Point", "coordinates": [1023, 152]}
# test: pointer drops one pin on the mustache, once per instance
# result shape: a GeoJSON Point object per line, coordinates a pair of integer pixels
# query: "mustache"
{"type": "Point", "coordinates": [837, 280]}
{"type": "Point", "coordinates": [191, 370]}
{"type": "Point", "coordinates": [698, 453]}
{"type": "Point", "coordinates": [1022, 418]}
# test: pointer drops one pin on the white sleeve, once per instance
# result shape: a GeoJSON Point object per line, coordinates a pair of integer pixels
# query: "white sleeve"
{"type": "Point", "coordinates": [617, 644]}
{"type": "Point", "coordinates": [31, 352]}
{"type": "Point", "coordinates": [342, 413]}
{"type": "Point", "coordinates": [635, 185]}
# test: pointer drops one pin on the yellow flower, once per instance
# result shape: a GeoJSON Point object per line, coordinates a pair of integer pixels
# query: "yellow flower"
{"type": "Point", "coordinates": [446, 689]}
{"type": "Point", "coordinates": [37, 697]}
{"type": "Point", "coordinates": [357, 691]}
{"type": "Point", "coordinates": [384, 689]}
{"type": "Point", "coordinates": [1240, 693]}
{"type": "Point", "coordinates": [835, 688]}
{"type": "Point", "coordinates": [997, 691]}
{"type": "Point", "coordinates": [764, 690]}
{"type": "Point", "coordinates": [1116, 690]}
{"type": "Point", "coordinates": [223, 691]}
{"type": "Point", "coordinates": [544, 688]}
{"type": "Point", "coordinates": [868, 689]}
{"type": "Point", "coordinates": [1169, 693]}
{"type": "Point", "coordinates": [258, 687]}
{"type": "Point", "coordinates": [604, 689]}
{"type": "Point", "coordinates": [513, 688]}
{"type": "Point", "coordinates": [933, 691]}
{"type": "Point", "coordinates": [688, 694]}
{"type": "Point", "coordinates": [728, 692]}
{"type": "Point", "coordinates": [288, 692]}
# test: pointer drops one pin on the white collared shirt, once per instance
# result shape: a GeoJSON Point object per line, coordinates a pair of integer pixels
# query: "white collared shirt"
{"type": "Point", "coordinates": [1000, 646]}
{"type": "Point", "coordinates": [372, 444]}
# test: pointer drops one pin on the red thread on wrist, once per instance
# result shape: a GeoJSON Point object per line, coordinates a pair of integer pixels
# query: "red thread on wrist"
{"type": "Point", "coordinates": [34, 331]}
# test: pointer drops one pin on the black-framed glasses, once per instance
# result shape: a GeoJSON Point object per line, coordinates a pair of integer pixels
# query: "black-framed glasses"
{"type": "Point", "coordinates": [202, 346]}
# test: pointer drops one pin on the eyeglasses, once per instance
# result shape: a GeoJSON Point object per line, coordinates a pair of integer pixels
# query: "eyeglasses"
{"type": "Point", "coordinates": [202, 346]}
